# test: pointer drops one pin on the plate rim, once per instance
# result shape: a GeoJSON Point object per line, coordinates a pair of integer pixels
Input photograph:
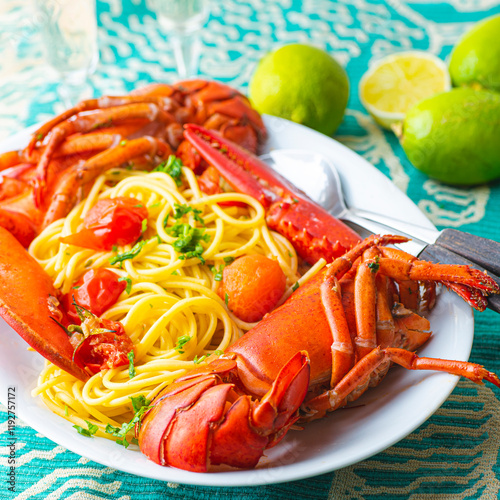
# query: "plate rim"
{"type": "Point", "coordinates": [238, 478]}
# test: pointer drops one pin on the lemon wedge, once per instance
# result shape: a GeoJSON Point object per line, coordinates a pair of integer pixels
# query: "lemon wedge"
{"type": "Point", "coordinates": [395, 83]}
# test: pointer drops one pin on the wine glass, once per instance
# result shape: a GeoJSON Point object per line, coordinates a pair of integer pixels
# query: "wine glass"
{"type": "Point", "coordinates": [183, 20]}
{"type": "Point", "coordinates": [69, 33]}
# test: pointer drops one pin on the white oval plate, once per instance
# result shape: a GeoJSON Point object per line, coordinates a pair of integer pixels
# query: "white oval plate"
{"type": "Point", "coordinates": [383, 416]}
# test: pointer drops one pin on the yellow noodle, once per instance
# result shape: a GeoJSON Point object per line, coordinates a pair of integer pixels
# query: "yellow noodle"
{"type": "Point", "coordinates": [169, 297]}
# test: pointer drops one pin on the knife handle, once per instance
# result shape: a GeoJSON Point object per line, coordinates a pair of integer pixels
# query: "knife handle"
{"type": "Point", "coordinates": [484, 252]}
{"type": "Point", "coordinates": [440, 255]}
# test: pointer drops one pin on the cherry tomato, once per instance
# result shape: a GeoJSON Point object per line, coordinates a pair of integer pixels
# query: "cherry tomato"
{"type": "Point", "coordinates": [254, 284]}
{"type": "Point", "coordinates": [97, 290]}
{"type": "Point", "coordinates": [104, 350]}
{"type": "Point", "coordinates": [112, 221]}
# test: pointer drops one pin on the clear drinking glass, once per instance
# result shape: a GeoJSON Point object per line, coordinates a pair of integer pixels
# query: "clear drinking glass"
{"type": "Point", "coordinates": [69, 32]}
{"type": "Point", "coordinates": [183, 20]}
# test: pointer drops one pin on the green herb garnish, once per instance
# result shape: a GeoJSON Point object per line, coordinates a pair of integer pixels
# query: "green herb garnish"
{"type": "Point", "coordinates": [228, 260]}
{"type": "Point", "coordinates": [131, 367]}
{"type": "Point", "coordinates": [92, 429]}
{"type": "Point", "coordinates": [173, 167]}
{"type": "Point", "coordinates": [129, 284]}
{"type": "Point", "coordinates": [144, 225]}
{"type": "Point", "coordinates": [181, 342]}
{"type": "Point", "coordinates": [226, 299]}
{"type": "Point", "coordinates": [295, 286]}
{"type": "Point", "coordinates": [182, 210]}
{"type": "Point", "coordinates": [141, 406]}
{"type": "Point", "coordinates": [198, 360]}
{"type": "Point", "coordinates": [217, 272]}
{"type": "Point", "coordinates": [374, 266]}
{"type": "Point", "coordinates": [130, 254]}
{"type": "Point", "coordinates": [188, 240]}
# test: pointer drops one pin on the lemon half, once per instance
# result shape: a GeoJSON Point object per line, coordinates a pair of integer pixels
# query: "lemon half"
{"type": "Point", "coordinates": [395, 83]}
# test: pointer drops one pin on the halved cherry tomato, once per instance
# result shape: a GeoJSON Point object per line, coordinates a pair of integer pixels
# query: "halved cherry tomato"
{"type": "Point", "coordinates": [104, 350]}
{"type": "Point", "coordinates": [253, 285]}
{"type": "Point", "coordinates": [97, 290]}
{"type": "Point", "coordinates": [112, 221]}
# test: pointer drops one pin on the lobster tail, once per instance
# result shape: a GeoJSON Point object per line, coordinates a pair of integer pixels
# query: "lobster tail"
{"type": "Point", "coordinates": [193, 423]}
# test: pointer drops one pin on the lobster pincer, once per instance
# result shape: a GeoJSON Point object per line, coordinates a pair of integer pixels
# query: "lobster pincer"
{"type": "Point", "coordinates": [312, 230]}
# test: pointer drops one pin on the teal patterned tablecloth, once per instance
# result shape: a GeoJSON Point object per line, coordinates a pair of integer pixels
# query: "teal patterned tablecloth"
{"type": "Point", "coordinates": [455, 454]}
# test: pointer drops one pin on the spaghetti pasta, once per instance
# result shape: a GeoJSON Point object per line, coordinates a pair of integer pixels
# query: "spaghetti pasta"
{"type": "Point", "coordinates": [170, 309]}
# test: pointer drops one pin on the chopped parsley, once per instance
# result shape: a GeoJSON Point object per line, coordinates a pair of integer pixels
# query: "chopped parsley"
{"type": "Point", "coordinates": [217, 272]}
{"type": "Point", "coordinates": [144, 225]}
{"type": "Point", "coordinates": [88, 263]}
{"type": "Point", "coordinates": [182, 210]}
{"type": "Point", "coordinates": [123, 143]}
{"type": "Point", "coordinates": [374, 266]}
{"type": "Point", "coordinates": [92, 429]}
{"type": "Point", "coordinates": [154, 205]}
{"type": "Point", "coordinates": [141, 406]}
{"type": "Point", "coordinates": [39, 137]}
{"type": "Point", "coordinates": [66, 410]}
{"type": "Point", "coordinates": [226, 299]}
{"type": "Point", "coordinates": [181, 342]}
{"type": "Point", "coordinates": [188, 240]}
{"type": "Point", "coordinates": [218, 352]}
{"type": "Point", "coordinates": [115, 248]}
{"type": "Point", "coordinates": [228, 260]}
{"type": "Point", "coordinates": [76, 287]}
{"type": "Point", "coordinates": [173, 167]}
{"type": "Point", "coordinates": [198, 360]}
{"type": "Point", "coordinates": [130, 254]}
{"type": "Point", "coordinates": [295, 286]}
{"type": "Point", "coordinates": [131, 367]}
{"type": "Point", "coordinates": [129, 284]}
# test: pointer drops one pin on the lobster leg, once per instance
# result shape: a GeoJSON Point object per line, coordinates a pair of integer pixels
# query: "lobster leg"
{"type": "Point", "coordinates": [66, 191]}
{"type": "Point", "coordinates": [86, 123]}
{"type": "Point", "coordinates": [359, 375]}
{"type": "Point", "coordinates": [100, 103]}
{"type": "Point", "coordinates": [469, 283]}
{"type": "Point", "coordinates": [342, 346]}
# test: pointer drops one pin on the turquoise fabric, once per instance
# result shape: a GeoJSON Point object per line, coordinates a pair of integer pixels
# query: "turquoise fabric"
{"type": "Point", "coordinates": [454, 455]}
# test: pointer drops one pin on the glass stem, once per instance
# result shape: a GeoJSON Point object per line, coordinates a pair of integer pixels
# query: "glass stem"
{"type": "Point", "coordinates": [186, 49]}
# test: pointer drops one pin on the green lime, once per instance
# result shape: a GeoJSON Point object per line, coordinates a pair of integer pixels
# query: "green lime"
{"type": "Point", "coordinates": [475, 60]}
{"type": "Point", "coordinates": [453, 136]}
{"type": "Point", "coordinates": [303, 84]}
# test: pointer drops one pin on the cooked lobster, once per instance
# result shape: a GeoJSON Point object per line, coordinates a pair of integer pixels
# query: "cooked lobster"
{"type": "Point", "coordinates": [330, 341]}
{"type": "Point", "coordinates": [45, 180]}
{"type": "Point", "coordinates": [333, 338]}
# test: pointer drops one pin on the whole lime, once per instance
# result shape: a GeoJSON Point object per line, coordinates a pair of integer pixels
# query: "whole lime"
{"type": "Point", "coordinates": [303, 84]}
{"type": "Point", "coordinates": [453, 136]}
{"type": "Point", "coordinates": [475, 60]}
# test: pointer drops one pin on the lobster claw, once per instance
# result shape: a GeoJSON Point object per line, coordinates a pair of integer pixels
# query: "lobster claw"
{"type": "Point", "coordinates": [28, 301]}
{"type": "Point", "coordinates": [193, 424]}
{"type": "Point", "coordinates": [312, 230]}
